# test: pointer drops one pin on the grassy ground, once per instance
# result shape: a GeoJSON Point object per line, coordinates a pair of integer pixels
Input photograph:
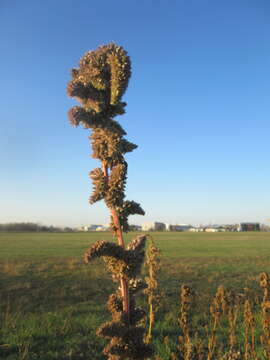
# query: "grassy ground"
{"type": "Point", "coordinates": [51, 303]}
{"type": "Point", "coordinates": [172, 244]}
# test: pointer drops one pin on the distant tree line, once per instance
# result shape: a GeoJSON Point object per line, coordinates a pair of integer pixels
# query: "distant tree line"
{"type": "Point", "coordinates": [30, 227]}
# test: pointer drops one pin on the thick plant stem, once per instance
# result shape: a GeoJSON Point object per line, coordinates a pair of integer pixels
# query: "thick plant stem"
{"type": "Point", "coordinates": [117, 225]}
{"type": "Point", "coordinates": [123, 281]}
{"type": "Point", "coordinates": [119, 234]}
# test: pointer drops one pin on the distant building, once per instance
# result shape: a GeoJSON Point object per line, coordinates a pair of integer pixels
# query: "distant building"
{"type": "Point", "coordinates": [153, 226]}
{"type": "Point", "coordinates": [250, 226]}
{"type": "Point", "coordinates": [180, 227]}
{"type": "Point", "coordinates": [103, 228]}
{"type": "Point", "coordinates": [91, 227]}
{"type": "Point", "coordinates": [196, 229]}
{"type": "Point", "coordinates": [231, 227]}
{"type": "Point", "coordinates": [210, 229]}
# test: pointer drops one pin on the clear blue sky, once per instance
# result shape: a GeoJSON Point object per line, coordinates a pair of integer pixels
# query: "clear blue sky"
{"type": "Point", "coordinates": [198, 107]}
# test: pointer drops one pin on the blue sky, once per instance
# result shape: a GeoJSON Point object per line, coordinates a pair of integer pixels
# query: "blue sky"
{"type": "Point", "coordinates": [198, 107]}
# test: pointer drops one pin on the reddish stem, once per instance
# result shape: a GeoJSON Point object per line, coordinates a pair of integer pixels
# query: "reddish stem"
{"type": "Point", "coordinates": [119, 234]}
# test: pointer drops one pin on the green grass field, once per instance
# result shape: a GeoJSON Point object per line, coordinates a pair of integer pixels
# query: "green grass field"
{"type": "Point", "coordinates": [172, 244]}
{"type": "Point", "coordinates": [51, 302]}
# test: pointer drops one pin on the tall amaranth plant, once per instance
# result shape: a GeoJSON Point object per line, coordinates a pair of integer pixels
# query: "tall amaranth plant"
{"type": "Point", "coordinates": [99, 84]}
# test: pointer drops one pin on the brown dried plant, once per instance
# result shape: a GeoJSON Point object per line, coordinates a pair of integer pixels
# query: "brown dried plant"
{"type": "Point", "coordinates": [217, 308]}
{"type": "Point", "coordinates": [265, 338]}
{"type": "Point", "coordinates": [154, 297]}
{"type": "Point", "coordinates": [186, 299]}
{"type": "Point", "coordinates": [232, 317]}
{"type": "Point", "coordinates": [249, 321]}
{"type": "Point", "coordinates": [99, 84]}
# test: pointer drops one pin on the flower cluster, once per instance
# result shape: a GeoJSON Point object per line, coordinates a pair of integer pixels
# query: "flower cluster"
{"type": "Point", "coordinates": [120, 262]}
{"type": "Point", "coordinates": [99, 84]}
